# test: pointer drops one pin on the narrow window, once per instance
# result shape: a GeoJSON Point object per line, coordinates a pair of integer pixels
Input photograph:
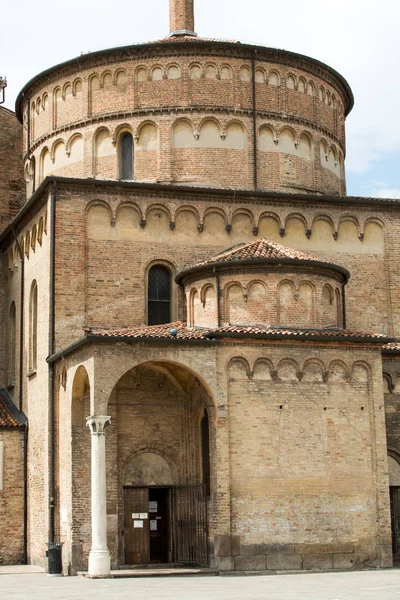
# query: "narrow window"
{"type": "Point", "coordinates": [126, 156]}
{"type": "Point", "coordinates": [12, 344]}
{"type": "Point", "coordinates": [33, 327]}
{"type": "Point", "coordinates": [159, 295]}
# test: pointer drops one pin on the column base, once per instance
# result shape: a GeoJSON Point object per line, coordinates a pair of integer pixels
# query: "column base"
{"type": "Point", "coordinates": [99, 563]}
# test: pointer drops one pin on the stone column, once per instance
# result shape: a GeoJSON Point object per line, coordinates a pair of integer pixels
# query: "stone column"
{"type": "Point", "coordinates": [99, 557]}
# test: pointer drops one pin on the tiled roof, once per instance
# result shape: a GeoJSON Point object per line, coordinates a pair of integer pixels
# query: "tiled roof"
{"type": "Point", "coordinates": [259, 249]}
{"type": "Point", "coordinates": [189, 333]}
{"type": "Point", "coordinates": [193, 38]}
{"type": "Point", "coordinates": [392, 346]}
{"type": "Point", "coordinates": [9, 414]}
{"type": "Point", "coordinates": [153, 331]}
{"type": "Point", "coordinates": [303, 333]}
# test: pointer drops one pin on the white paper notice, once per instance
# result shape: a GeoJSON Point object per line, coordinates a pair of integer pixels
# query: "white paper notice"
{"type": "Point", "coordinates": [135, 516]}
{"type": "Point", "coordinates": [138, 524]}
{"type": "Point", "coordinates": [153, 525]}
{"type": "Point", "coordinates": [153, 506]}
{"type": "Point", "coordinates": [143, 516]}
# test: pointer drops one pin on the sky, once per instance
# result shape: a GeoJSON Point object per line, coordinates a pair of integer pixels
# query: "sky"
{"type": "Point", "coordinates": [358, 38]}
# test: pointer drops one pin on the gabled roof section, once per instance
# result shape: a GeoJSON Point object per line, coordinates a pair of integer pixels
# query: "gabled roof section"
{"type": "Point", "coordinates": [262, 251]}
{"type": "Point", "coordinates": [10, 416]}
{"type": "Point", "coordinates": [261, 248]}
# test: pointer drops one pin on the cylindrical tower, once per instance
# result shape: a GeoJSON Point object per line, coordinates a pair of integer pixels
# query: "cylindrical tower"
{"type": "Point", "coordinates": [193, 111]}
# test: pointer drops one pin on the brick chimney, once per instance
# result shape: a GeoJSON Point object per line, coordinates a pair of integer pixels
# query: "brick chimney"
{"type": "Point", "coordinates": [181, 17]}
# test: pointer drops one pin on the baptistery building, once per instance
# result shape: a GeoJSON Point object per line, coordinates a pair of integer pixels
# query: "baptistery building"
{"type": "Point", "coordinates": [201, 331]}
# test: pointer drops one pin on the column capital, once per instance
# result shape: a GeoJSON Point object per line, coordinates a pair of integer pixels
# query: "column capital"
{"type": "Point", "coordinates": [97, 424]}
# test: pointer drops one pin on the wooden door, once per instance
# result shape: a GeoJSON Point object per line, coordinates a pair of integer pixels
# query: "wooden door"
{"type": "Point", "coordinates": [136, 526]}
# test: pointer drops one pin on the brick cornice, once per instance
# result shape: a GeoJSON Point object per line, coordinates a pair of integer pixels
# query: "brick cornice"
{"type": "Point", "coordinates": [188, 111]}
{"type": "Point", "coordinates": [199, 47]}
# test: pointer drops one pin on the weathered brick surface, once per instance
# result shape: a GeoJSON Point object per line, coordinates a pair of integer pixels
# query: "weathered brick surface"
{"type": "Point", "coordinates": [168, 104]}
{"type": "Point", "coordinates": [12, 498]}
{"type": "Point", "coordinates": [299, 474]}
{"type": "Point", "coordinates": [12, 185]}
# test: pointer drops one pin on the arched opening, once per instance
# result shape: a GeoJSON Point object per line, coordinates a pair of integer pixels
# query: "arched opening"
{"type": "Point", "coordinates": [80, 469]}
{"type": "Point", "coordinates": [159, 447]}
{"type": "Point", "coordinates": [159, 295]}
{"type": "Point", "coordinates": [125, 155]}
{"type": "Point", "coordinates": [394, 487]}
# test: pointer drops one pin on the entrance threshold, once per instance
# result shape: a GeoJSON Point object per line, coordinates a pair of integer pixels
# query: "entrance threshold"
{"type": "Point", "coordinates": [156, 571]}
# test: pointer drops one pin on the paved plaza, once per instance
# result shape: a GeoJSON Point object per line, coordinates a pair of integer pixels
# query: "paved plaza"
{"type": "Point", "coordinates": [366, 585]}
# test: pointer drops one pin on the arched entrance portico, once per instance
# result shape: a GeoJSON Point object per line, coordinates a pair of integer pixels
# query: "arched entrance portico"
{"type": "Point", "coordinates": [158, 466]}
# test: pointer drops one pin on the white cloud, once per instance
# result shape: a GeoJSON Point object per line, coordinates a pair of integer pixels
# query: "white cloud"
{"type": "Point", "coordinates": [387, 193]}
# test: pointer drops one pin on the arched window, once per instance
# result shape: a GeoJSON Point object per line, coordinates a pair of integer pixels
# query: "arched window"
{"type": "Point", "coordinates": [125, 155]}
{"type": "Point", "coordinates": [33, 311]}
{"type": "Point", "coordinates": [12, 343]}
{"type": "Point", "coordinates": [159, 295]}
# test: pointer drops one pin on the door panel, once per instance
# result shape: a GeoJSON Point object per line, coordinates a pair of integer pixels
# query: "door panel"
{"type": "Point", "coordinates": [189, 524]}
{"type": "Point", "coordinates": [136, 529]}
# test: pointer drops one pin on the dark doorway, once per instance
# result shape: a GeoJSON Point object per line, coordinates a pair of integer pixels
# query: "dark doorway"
{"type": "Point", "coordinates": [146, 526]}
{"type": "Point", "coordinates": [395, 519]}
{"type": "Point", "coordinates": [158, 524]}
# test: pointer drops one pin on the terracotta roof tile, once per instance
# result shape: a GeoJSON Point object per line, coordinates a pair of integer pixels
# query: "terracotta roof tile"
{"type": "Point", "coordinates": [261, 248]}
{"type": "Point", "coordinates": [8, 415]}
{"type": "Point", "coordinates": [282, 332]}
{"type": "Point", "coordinates": [392, 346]}
{"type": "Point", "coordinates": [193, 38]}
{"type": "Point", "coordinates": [191, 333]}
{"type": "Point", "coordinates": [152, 331]}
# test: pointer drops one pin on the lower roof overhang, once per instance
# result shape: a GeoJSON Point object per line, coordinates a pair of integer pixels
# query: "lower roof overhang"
{"type": "Point", "coordinates": [218, 338]}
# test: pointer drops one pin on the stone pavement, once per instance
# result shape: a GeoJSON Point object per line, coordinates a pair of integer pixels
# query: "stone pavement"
{"type": "Point", "coordinates": [361, 585]}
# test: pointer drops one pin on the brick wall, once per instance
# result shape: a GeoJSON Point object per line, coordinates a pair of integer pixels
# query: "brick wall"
{"type": "Point", "coordinates": [12, 498]}
{"type": "Point", "coordinates": [12, 185]}
{"type": "Point", "coordinates": [161, 88]}
{"type": "Point", "coordinates": [283, 495]}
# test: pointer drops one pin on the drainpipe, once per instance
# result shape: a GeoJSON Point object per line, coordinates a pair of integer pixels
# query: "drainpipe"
{"type": "Point", "coordinates": [253, 69]}
{"type": "Point", "coordinates": [51, 365]}
{"type": "Point", "coordinates": [21, 322]}
{"type": "Point", "coordinates": [28, 129]}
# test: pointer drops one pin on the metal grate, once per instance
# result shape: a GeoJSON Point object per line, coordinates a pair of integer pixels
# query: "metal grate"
{"type": "Point", "coordinates": [189, 525]}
